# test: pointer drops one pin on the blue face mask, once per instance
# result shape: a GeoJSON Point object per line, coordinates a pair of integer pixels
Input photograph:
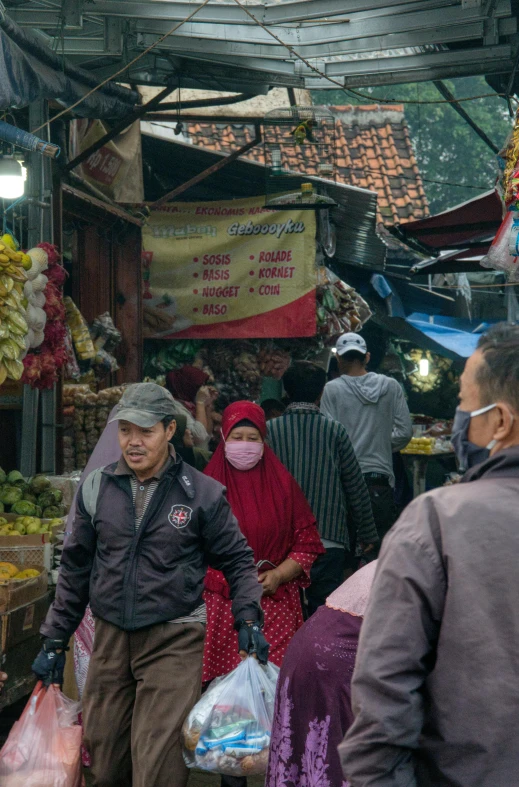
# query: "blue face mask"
{"type": "Point", "coordinates": [469, 454]}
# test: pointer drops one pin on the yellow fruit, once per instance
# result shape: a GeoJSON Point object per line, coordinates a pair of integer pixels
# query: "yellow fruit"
{"type": "Point", "coordinates": [4, 258]}
{"type": "Point", "coordinates": [14, 368]}
{"type": "Point", "coordinates": [17, 323]}
{"type": "Point", "coordinates": [9, 241]}
{"type": "Point", "coordinates": [8, 349]}
{"type": "Point", "coordinates": [26, 262]}
{"type": "Point", "coordinates": [14, 256]}
{"type": "Point", "coordinates": [3, 374]}
{"type": "Point", "coordinates": [9, 567]}
{"type": "Point", "coordinates": [6, 281]}
{"type": "Point", "coordinates": [14, 301]}
{"type": "Point", "coordinates": [20, 343]}
{"type": "Point", "coordinates": [18, 274]}
{"type": "Point", "coordinates": [28, 573]}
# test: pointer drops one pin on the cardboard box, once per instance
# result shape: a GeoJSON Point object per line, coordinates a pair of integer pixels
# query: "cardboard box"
{"type": "Point", "coordinates": [35, 540]}
{"type": "Point", "coordinates": [16, 593]}
{"type": "Point", "coordinates": [23, 623]}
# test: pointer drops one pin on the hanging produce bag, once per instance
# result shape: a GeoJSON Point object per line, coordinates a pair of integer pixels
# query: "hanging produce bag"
{"type": "Point", "coordinates": [228, 730]}
{"type": "Point", "coordinates": [43, 747]}
{"type": "Point", "coordinates": [498, 256]}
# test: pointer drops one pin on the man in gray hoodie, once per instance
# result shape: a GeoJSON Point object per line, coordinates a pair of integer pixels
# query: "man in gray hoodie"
{"type": "Point", "coordinates": [374, 411]}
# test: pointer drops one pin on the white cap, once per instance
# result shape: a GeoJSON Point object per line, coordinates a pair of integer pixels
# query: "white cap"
{"type": "Point", "coordinates": [351, 341]}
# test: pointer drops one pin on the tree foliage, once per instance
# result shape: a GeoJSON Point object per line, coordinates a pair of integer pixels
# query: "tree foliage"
{"type": "Point", "coordinates": [446, 147]}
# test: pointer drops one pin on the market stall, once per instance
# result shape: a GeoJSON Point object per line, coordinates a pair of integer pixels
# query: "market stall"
{"type": "Point", "coordinates": [431, 385]}
{"type": "Point", "coordinates": [239, 291]}
{"type": "Point", "coordinates": [32, 521]}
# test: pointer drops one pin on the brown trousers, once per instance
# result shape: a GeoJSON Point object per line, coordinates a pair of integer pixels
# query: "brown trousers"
{"type": "Point", "coordinates": [140, 687]}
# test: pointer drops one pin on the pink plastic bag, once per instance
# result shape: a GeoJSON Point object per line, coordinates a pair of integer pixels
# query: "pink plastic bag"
{"type": "Point", "coordinates": [43, 747]}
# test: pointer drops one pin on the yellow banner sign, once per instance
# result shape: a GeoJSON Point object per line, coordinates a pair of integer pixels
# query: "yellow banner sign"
{"type": "Point", "coordinates": [229, 270]}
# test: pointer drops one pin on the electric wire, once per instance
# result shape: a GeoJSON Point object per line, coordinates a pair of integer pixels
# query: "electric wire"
{"type": "Point", "coordinates": [125, 67]}
{"type": "Point", "coordinates": [288, 47]}
{"type": "Point", "coordinates": [347, 90]}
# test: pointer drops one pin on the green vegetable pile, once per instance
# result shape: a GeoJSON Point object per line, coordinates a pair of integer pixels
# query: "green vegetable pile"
{"type": "Point", "coordinates": [34, 498]}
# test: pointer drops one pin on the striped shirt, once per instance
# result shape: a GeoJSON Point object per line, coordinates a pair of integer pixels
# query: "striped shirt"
{"type": "Point", "coordinates": [142, 493]}
{"type": "Point", "coordinates": [320, 456]}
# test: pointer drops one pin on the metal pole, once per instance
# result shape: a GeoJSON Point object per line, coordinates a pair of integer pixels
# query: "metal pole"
{"type": "Point", "coordinates": [39, 190]}
{"type": "Point", "coordinates": [48, 398]}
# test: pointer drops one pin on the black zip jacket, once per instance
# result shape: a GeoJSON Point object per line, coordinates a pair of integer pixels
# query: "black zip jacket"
{"type": "Point", "coordinates": [134, 579]}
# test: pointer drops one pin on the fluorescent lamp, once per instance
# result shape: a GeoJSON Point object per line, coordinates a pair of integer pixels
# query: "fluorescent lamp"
{"type": "Point", "coordinates": [424, 367]}
{"type": "Point", "coordinates": [11, 178]}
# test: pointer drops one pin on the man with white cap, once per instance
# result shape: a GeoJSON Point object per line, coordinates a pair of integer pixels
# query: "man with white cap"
{"type": "Point", "coordinates": [374, 411]}
{"type": "Point", "coordinates": [145, 530]}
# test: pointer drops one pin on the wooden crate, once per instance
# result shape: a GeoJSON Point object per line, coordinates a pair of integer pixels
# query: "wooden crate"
{"type": "Point", "coordinates": [17, 663]}
{"type": "Point", "coordinates": [16, 593]}
{"type": "Point", "coordinates": [23, 623]}
{"type": "Point", "coordinates": [20, 644]}
{"type": "Point", "coordinates": [37, 539]}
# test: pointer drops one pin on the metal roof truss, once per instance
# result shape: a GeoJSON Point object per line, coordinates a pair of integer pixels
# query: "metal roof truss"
{"type": "Point", "coordinates": [356, 42]}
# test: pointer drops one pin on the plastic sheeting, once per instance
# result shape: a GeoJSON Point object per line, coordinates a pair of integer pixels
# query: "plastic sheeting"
{"type": "Point", "coordinates": [456, 334]}
{"type": "Point", "coordinates": [31, 72]}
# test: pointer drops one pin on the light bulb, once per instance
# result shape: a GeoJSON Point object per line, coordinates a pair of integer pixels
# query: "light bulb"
{"type": "Point", "coordinates": [11, 178]}
{"type": "Point", "coordinates": [424, 367]}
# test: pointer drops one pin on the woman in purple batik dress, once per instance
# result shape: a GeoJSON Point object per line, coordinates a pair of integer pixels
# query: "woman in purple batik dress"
{"type": "Point", "coordinates": [313, 697]}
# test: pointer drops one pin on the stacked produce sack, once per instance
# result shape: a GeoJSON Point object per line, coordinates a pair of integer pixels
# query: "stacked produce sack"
{"type": "Point", "coordinates": [85, 416]}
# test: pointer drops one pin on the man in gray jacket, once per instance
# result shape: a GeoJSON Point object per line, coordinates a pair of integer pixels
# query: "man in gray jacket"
{"type": "Point", "coordinates": [374, 411]}
{"type": "Point", "coordinates": [436, 686]}
{"type": "Point", "coordinates": [144, 532]}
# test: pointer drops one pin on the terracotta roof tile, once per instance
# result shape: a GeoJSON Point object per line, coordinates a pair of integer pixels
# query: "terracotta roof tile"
{"type": "Point", "coordinates": [372, 150]}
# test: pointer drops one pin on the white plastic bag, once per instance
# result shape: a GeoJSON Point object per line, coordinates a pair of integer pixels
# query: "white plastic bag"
{"type": "Point", "coordinates": [228, 731]}
{"type": "Point", "coordinates": [498, 256]}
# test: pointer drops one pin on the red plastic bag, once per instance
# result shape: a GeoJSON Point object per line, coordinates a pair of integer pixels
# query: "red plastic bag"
{"type": "Point", "coordinates": [43, 747]}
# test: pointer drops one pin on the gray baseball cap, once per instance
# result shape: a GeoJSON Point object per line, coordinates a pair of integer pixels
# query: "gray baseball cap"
{"type": "Point", "coordinates": [144, 404]}
{"type": "Point", "coordinates": [351, 341]}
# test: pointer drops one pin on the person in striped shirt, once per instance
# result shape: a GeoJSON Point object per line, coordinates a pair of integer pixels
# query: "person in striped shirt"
{"type": "Point", "coordinates": [318, 453]}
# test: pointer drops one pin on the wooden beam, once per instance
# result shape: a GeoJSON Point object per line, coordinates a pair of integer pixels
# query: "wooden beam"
{"type": "Point", "coordinates": [117, 129]}
{"type": "Point", "coordinates": [209, 171]}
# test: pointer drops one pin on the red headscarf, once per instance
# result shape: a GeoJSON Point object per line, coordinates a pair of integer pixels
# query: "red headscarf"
{"type": "Point", "coordinates": [184, 383]}
{"type": "Point", "coordinates": [270, 507]}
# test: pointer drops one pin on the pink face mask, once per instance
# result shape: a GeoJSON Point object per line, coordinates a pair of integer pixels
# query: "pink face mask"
{"type": "Point", "coordinates": [243, 455]}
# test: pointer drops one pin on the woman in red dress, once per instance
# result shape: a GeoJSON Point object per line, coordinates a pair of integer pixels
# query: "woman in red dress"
{"type": "Point", "coordinates": [278, 524]}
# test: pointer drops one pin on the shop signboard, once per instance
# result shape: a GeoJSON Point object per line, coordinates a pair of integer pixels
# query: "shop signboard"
{"type": "Point", "coordinates": [229, 270]}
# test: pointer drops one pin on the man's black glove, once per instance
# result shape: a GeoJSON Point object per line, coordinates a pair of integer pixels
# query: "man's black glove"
{"type": "Point", "coordinates": [252, 641]}
{"type": "Point", "coordinates": [48, 665]}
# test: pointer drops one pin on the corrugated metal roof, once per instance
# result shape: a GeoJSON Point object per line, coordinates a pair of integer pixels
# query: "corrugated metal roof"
{"type": "Point", "coordinates": [168, 164]}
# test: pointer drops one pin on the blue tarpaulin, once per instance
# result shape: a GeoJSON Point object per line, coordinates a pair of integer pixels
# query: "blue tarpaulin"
{"type": "Point", "coordinates": [456, 334]}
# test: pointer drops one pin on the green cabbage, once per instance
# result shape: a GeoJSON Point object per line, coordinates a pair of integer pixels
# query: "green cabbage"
{"type": "Point", "coordinates": [10, 495]}
{"type": "Point", "coordinates": [24, 508]}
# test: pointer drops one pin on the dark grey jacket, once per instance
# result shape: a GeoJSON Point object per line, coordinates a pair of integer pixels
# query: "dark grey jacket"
{"type": "Point", "coordinates": [138, 578]}
{"type": "Point", "coordinates": [436, 685]}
